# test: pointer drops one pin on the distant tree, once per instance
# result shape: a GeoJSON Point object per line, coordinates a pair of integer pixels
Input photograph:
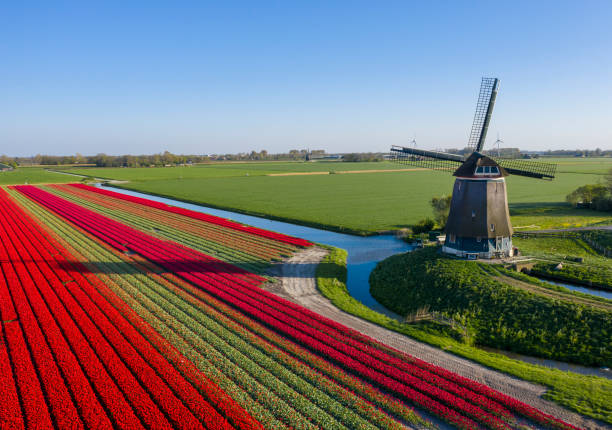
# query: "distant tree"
{"type": "Point", "coordinates": [441, 208]}
{"type": "Point", "coordinates": [588, 194]}
{"type": "Point", "coordinates": [78, 158]}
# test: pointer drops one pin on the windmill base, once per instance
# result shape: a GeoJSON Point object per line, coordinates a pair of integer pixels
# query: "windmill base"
{"type": "Point", "coordinates": [472, 249]}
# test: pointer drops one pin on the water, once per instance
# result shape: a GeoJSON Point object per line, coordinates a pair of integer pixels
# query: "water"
{"type": "Point", "coordinates": [587, 290]}
{"type": "Point", "coordinates": [363, 252]}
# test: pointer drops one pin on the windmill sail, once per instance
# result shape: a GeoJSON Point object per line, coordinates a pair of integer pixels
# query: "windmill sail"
{"type": "Point", "coordinates": [484, 110]}
{"type": "Point", "coordinates": [426, 159]}
{"type": "Point", "coordinates": [531, 169]}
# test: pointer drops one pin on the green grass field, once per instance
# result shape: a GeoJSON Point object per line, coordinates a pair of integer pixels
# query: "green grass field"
{"type": "Point", "coordinates": [33, 175]}
{"type": "Point", "coordinates": [216, 170]}
{"type": "Point", "coordinates": [360, 203]}
{"type": "Point", "coordinates": [370, 202]}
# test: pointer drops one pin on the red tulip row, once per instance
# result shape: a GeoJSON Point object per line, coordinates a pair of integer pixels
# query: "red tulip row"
{"type": "Point", "coordinates": [450, 396]}
{"type": "Point", "coordinates": [203, 217]}
{"type": "Point", "coordinates": [99, 356]}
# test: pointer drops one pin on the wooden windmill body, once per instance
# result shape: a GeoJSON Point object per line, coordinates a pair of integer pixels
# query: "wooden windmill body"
{"type": "Point", "coordinates": [478, 224]}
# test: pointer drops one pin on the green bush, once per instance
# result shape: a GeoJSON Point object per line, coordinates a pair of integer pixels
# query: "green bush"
{"type": "Point", "coordinates": [423, 226]}
{"type": "Point", "coordinates": [595, 196]}
{"type": "Point", "coordinates": [495, 314]}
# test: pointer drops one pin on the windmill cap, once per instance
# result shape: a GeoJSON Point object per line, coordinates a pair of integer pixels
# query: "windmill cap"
{"type": "Point", "coordinates": [469, 166]}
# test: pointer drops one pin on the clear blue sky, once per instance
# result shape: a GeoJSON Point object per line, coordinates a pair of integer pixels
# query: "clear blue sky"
{"type": "Point", "coordinates": [217, 77]}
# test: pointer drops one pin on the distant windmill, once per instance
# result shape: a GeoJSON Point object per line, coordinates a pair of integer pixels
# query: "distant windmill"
{"type": "Point", "coordinates": [478, 224]}
{"type": "Point", "coordinates": [497, 143]}
{"type": "Point", "coordinates": [413, 141]}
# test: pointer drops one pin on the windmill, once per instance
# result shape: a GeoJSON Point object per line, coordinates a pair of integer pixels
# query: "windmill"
{"type": "Point", "coordinates": [498, 143]}
{"type": "Point", "coordinates": [478, 224]}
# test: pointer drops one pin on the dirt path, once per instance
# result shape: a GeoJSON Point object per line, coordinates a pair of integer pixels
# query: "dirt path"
{"type": "Point", "coordinates": [341, 172]}
{"type": "Point", "coordinates": [297, 284]}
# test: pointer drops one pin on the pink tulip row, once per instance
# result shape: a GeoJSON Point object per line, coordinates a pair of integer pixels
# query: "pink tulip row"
{"type": "Point", "coordinates": [116, 377]}
{"type": "Point", "coordinates": [456, 399]}
{"type": "Point", "coordinates": [203, 217]}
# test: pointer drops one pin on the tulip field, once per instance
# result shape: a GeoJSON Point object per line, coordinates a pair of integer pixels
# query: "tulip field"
{"type": "Point", "coordinates": [122, 312]}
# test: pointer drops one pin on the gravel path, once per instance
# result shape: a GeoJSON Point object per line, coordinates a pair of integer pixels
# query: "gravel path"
{"type": "Point", "coordinates": [298, 284]}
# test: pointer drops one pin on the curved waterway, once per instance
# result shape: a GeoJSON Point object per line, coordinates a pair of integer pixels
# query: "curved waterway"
{"type": "Point", "coordinates": [595, 292]}
{"type": "Point", "coordinates": [363, 255]}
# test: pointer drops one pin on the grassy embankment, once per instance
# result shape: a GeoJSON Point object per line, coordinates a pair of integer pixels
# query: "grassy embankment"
{"type": "Point", "coordinates": [498, 310]}
{"type": "Point", "coordinates": [355, 203]}
{"type": "Point", "coordinates": [33, 175]}
{"type": "Point", "coordinates": [588, 395]}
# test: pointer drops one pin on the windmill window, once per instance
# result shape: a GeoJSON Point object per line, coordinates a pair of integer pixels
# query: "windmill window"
{"type": "Point", "coordinates": [478, 239]}
{"type": "Point", "coordinates": [492, 227]}
{"type": "Point", "coordinates": [479, 170]}
{"type": "Point", "coordinates": [486, 170]}
{"type": "Point", "coordinates": [473, 214]}
{"type": "Point", "coordinates": [494, 170]}
{"type": "Point", "coordinates": [452, 238]}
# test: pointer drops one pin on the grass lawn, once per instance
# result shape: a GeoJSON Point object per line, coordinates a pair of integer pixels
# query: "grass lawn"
{"type": "Point", "coordinates": [215, 170]}
{"type": "Point", "coordinates": [599, 166]}
{"type": "Point", "coordinates": [33, 175]}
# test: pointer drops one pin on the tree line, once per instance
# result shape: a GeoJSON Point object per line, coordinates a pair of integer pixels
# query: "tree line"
{"type": "Point", "coordinates": [156, 160]}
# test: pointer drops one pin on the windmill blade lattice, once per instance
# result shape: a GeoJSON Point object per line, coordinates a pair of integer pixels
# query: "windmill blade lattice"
{"type": "Point", "coordinates": [484, 110]}
{"type": "Point", "coordinates": [426, 159]}
{"type": "Point", "coordinates": [528, 168]}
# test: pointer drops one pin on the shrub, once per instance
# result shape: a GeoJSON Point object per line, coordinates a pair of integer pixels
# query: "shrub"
{"type": "Point", "coordinates": [423, 226]}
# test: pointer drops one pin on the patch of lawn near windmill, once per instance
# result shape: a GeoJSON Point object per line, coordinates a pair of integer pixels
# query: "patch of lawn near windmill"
{"type": "Point", "coordinates": [32, 175]}
{"type": "Point", "coordinates": [588, 395]}
{"type": "Point", "coordinates": [371, 202]}
{"type": "Point", "coordinates": [596, 166]}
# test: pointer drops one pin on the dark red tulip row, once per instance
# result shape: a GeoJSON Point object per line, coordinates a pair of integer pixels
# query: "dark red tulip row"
{"type": "Point", "coordinates": [198, 215]}
{"type": "Point", "coordinates": [94, 367]}
{"type": "Point", "coordinates": [444, 393]}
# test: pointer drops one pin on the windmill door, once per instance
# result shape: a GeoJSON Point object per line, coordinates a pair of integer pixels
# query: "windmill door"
{"type": "Point", "coordinates": [498, 243]}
